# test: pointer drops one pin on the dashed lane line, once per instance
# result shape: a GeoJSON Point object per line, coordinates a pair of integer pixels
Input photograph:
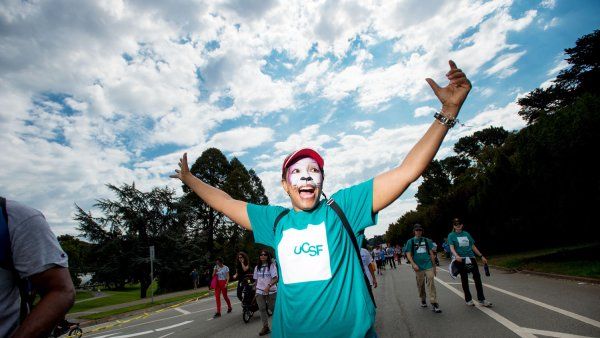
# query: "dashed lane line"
{"type": "Point", "coordinates": [544, 305]}
{"type": "Point", "coordinates": [554, 334]}
{"type": "Point", "coordinates": [496, 316]}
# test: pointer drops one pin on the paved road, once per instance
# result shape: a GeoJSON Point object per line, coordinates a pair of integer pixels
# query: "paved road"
{"type": "Point", "coordinates": [524, 305]}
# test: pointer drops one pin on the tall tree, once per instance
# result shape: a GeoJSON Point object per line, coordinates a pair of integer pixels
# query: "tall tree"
{"type": "Point", "coordinates": [582, 76]}
{"type": "Point", "coordinates": [135, 220]}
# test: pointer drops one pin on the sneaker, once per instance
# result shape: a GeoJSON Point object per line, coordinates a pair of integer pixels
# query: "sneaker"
{"type": "Point", "coordinates": [265, 330]}
{"type": "Point", "coordinates": [229, 310]}
{"type": "Point", "coordinates": [423, 303]}
{"type": "Point", "coordinates": [485, 303]}
{"type": "Point", "coordinates": [436, 308]}
{"type": "Point", "coordinates": [470, 303]}
{"type": "Point", "coordinates": [217, 315]}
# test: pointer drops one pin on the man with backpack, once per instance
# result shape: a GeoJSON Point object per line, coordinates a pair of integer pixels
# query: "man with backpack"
{"type": "Point", "coordinates": [31, 261]}
{"type": "Point", "coordinates": [419, 251]}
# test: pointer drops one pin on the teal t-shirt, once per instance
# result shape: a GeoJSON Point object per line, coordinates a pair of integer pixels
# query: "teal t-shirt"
{"type": "Point", "coordinates": [322, 290]}
{"type": "Point", "coordinates": [421, 254]}
{"type": "Point", "coordinates": [463, 243]}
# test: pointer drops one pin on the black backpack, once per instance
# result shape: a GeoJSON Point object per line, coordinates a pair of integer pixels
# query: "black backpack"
{"type": "Point", "coordinates": [342, 216]}
{"type": "Point", "coordinates": [6, 263]}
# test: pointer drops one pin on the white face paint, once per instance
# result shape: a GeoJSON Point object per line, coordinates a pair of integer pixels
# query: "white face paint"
{"type": "Point", "coordinates": [305, 172]}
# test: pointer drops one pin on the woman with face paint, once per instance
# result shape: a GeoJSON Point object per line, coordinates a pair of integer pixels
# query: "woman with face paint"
{"type": "Point", "coordinates": [321, 289]}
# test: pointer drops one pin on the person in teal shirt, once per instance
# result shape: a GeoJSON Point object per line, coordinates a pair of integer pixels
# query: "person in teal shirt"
{"type": "Point", "coordinates": [463, 249]}
{"type": "Point", "coordinates": [322, 290]}
{"type": "Point", "coordinates": [419, 251]}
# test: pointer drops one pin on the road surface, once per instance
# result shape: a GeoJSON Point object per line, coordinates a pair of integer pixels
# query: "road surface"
{"type": "Point", "coordinates": [524, 305]}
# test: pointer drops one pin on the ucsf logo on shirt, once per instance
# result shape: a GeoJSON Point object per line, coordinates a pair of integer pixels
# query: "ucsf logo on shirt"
{"type": "Point", "coordinates": [463, 241]}
{"type": "Point", "coordinates": [304, 255]}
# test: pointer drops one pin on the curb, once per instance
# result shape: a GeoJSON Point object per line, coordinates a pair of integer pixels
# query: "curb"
{"type": "Point", "coordinates": [549, 275]}
{"type": "Point", "coordinates": [137, 314]}
{"type": "Point", "coordinates": [558, 276]}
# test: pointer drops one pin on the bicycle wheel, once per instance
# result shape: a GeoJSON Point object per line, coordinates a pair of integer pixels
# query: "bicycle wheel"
{"type": "Point", "coordinates": [246, 315]}
{"type": "Point", "coordinates": [76, 332]}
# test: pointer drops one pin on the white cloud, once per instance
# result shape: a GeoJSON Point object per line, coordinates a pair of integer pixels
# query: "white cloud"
{"type": "Point", "coordinates": [550, 4]}
{"type": "Point", "coordinates": [240, 139]}
{"type": "Point", "coordinates": [424, 111]}
{"type": "Point", "coordinates": [553, 23]}
{"type": "Point", "coordinates": [90, 90]}
{"type": "Point", "coordinates": [365, 125]}
{"type": "Point", "coordinates": [503, 66]}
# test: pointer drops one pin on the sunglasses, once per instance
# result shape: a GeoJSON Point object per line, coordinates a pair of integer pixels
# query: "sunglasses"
{"type": "Point", "coordinates": [263, 254]}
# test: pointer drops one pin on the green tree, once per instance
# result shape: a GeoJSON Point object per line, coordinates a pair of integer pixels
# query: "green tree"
{"type": "Point", "coordinates": [78, 252]}
{"type": "Point", "coordinates": [582, 76]}
{"type": "Point", "coordinates": [132, 223]}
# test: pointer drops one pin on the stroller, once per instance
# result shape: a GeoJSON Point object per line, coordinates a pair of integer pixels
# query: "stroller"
{"type": "Point", "coordinates": [249, 304]}
{"type": "Point", "coordinates": [64, 326]}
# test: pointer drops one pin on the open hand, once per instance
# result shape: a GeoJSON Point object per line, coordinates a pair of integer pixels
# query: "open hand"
{"type": "Point", "coordinates": [454, 94]}
{"type": "Point", "coordinates": [183, 168]}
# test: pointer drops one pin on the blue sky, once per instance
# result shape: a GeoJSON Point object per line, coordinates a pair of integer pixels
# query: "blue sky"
{"type": "Point", "coordinates": [100, 92]}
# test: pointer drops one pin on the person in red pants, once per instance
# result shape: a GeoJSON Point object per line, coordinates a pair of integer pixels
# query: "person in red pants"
{"type": "Point", "coordinates": [222, 272]}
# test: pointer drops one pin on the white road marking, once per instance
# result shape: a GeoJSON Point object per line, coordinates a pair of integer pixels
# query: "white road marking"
{"type": "Point", "coordinates": [167, 318]}
{"type": "Point", "coordinates": [499, 318]}
{"type": "Point", "coordinates": [548, 306]}
{"type": "Point", "coordinates": [134, 334]}
{"type": "Point", "coordinates": [155, 330]}
{"type": "Point", "coordinates": [554, 334]}
{"type": "Point", "coordinates": [107, 335]}
{"type": "Point", "coordinates": [544, 305]}
{"type": "Point", "coordinates": [185, 312]}
{"type": "Point", "coordinates": [168, 334]}
{"type": "Point", "coordinates": [172, 326]}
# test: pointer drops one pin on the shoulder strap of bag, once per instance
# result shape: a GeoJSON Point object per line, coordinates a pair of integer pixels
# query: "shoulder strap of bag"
{"type": "Point", "coordinates": [278, 218]}
{"type": "Point", "coordinates": [5, 251]}
{"type": "Point", "coordinates": [346, 224]}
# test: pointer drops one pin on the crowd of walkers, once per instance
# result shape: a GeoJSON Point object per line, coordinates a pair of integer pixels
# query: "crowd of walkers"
{"type": "Point", "coordinates": [419, 252]}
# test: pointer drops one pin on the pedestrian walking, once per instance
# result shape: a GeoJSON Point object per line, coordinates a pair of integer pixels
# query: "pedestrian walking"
{"type": "Point", "coordinates": [195, 277]}
{"type": "Point", "coordinates": [323, 289]}
{"type": "Point", "coordinates": [244, 272]}
{"type": "Point", "coordinates": [377, 256]}
{"type": "Point", "coordinates": [420, 254]}
{"type": "Point", "coordinates": [222, 272]}
{"type": "Point", "coordinates": [265, 274]}
{"type": "Point", "coordinates": [462, 246]}
{"type": "Point", "coordinates": [368, 266]}
{"type": "Point", "coordinates": [389, 256]}
{"type": "Point", "coordinates": [398, 253]}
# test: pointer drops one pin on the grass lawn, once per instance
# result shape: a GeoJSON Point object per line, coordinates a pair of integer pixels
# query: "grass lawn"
{"type": "Point", "coordinates": [81, 295]}
{"type": "Point", "coordinates": [114, 312]}
{"type": "Point", "coordinates": [129, 294]}
{"type": "Point", "coordinates": [580, 260]}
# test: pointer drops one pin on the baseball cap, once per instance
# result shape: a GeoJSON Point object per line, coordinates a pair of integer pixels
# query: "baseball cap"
{"type": "Point", "coordinates": [417, 227]}
{"type": "Point", "coordinates": [298, 154]}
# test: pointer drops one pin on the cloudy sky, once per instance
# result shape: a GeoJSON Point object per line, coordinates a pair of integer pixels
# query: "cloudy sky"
{"type": "Point", "coordinates": [96, 92]}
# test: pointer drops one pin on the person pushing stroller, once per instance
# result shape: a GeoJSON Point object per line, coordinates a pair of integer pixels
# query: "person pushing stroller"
{"type": "Point", "coordinates": [265, 274]}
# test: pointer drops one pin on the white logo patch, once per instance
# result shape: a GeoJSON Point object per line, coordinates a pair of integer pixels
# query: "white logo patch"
{"type": "Point", "coordinates": [304, 255]}
{"type": "Point", "coordinates": [463, 241]}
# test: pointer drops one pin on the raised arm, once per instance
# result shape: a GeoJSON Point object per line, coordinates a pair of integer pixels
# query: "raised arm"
{"type": "Point", "coordinates": [216, 198]}
{"type": "Point", "coordinates": [387, 187]}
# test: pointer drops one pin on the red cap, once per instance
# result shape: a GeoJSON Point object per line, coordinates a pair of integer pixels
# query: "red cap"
{"type": "Point", "coordinates": [298, 154]}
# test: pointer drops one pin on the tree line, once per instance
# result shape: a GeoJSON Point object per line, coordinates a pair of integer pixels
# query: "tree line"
{"type": "Point", "coordinates": [534, 188]}
{"type": "Point", "coordinates": [185, 231]}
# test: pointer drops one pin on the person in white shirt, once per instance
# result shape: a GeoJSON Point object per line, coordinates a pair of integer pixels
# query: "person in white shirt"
{"type": "Point", "coordinates": [265, 274]}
